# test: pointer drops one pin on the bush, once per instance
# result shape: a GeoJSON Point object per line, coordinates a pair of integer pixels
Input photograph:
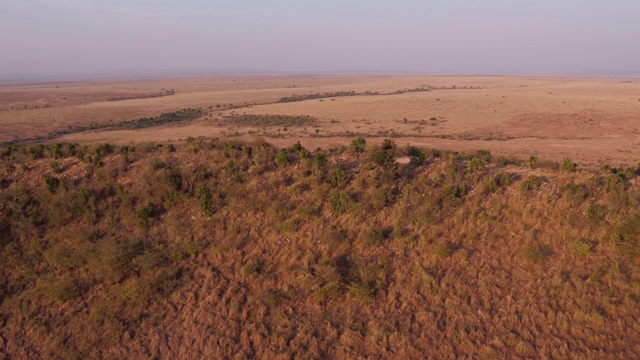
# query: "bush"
{"type": "Point", "coordinates": [532, 183]}
{"type": "Point", "coordinates": [382, 198]}
{"type": "Point", "coordinates": [174, 178]}
{"type": "Point", "coordinates": [37, 151]}
{"type": "Point", "coordinates": [362, 291]}
{"type": "Point", "coordinates": [329, 291]}
{"type": "Point", "coordinates": [338, 202]}
{"type": "Point", "coordinates": [581, 247]}
{"type": "Point", "coordinates": [418, 156]}
{"type": "Point", "coordinates": [568, 165]}
{"type": "Point", "coordinates": [282, 159]}
{"type": "Point", "coordinates": [627, 237]}
{"type": "Point", "coordinates": [595, 212]}
{"type": "Point", "coordinates": [320, 163]}
{"type": "Point", "coordinates": [381, 158]}
{"type": "Point", "coordinates": [206, 200]}
{"type": "Point", "coordinates": [358, 144]}
{"type": "Point", "coordinates": [158, 164]}
{"type": "Point", "coordinates": [338, 178]}
{"type": "Point", "coordinates": [145, 214]}
{"type": "Point", "coordinates": [535, 254]}
{"type": "Point", "coordinates": [55, 167]}
{"type": "Point", "coordinates": [250, 267]}
{"type": "Point", "coordinates": [442, 251]}
{"type": "Point", "coordinates": [63, 290]}
{"type": "Point", "coordinates": [374, 236]}
{"type": "Point", "coordinates": [53, 183]}
{"type": "Point", "coordinates": [476, 164]}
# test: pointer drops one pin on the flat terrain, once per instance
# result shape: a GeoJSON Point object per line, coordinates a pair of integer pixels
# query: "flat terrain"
{"type": "Point", "coordinates": [592, 121]}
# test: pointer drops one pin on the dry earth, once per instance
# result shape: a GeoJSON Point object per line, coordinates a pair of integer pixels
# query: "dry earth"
{"type": "Point", "coordinates": [593, 121]}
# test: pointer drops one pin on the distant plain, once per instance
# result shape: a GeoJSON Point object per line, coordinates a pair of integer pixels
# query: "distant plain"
{"type": "Point", "coordinates": [592, 121]}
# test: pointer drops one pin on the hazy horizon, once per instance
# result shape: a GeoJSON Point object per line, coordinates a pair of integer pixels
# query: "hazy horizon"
{"type": "Point", "coordinates": [57, 39]}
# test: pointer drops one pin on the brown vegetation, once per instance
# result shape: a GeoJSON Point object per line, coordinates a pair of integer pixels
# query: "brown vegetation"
{"type": "Point", "coordinates": [221, 249]}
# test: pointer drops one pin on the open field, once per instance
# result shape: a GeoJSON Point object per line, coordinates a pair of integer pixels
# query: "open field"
{"type": "Point", "coordinates": [592, 121]}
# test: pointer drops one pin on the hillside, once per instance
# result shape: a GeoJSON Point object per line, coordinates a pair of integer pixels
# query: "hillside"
{"type": "Point", "coordinates": [222, 249]}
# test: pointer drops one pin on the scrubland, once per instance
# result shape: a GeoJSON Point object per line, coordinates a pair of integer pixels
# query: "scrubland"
{"type": "Point", "coordinates": [223, 248]}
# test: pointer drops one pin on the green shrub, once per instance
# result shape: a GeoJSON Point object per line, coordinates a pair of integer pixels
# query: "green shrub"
{"type": "Point", "coordinates": [388, 144]}
{"type": "Point", "coordinates": [63, 290]}
{"type": "Point", "coordinates": [281, 158]}
{"type": "Point", "coordinates": [418, 156]}
{"type": "Point", "coordinates": [55, 167]}
{"type": "Point", "coordinates": [104, 149]}
{"type": "Point", "coordinates": [362, 291]}
{"type": "Point", "coordinates": [614, 183]}
{"type": "Point", "coordinates": [116, 258]}
{"type": "Point", "coordinates": [37, 151]}
{"type": "Point", "coordinates": [442, 250]}
{"type": "Point", "coordinates": [53, 183]}
{"type": "Point", "coordinates": [329, 291]}
{"type": "Point", "coordinates": [381, 158]}
{"type": "Point", "coordinates": [319, 163]}
{"type": "Point", "coordinates": [174, 178]}
{"type": "Point", "coordinates": [484, 155]}
{"type": "Point", "coordinates": [374, 235]}
{"type": "Point", "coordinates": [595, 212]}
{"type": "Point", "coordinates": [582, 248]}
{"type": "Point", "coordinates": [382, 198]}
{"type": "Point", "coordinates": [358, 144]}
{"type": "Point", "coordinates": [63, 257]}
{"type": "Point", "coordinates": [627, 237]}
{"type": "Point", "coordinates": [476, 164]}
{"type": "Point", "coordinates": [145, 214]}
{"type": "Point", "coordinates": [532, 183]}
{"type": "Point", "coordinates": [338, 202]}
{"type": "Point", "coordinates": [250, 267]}
{"type": "Point", "coordinates": [535, 254]}
{"type": "Point", "coordinates": [568, 165]}
{"type": "Point", "coordinates": [338, 178]}
{"type": "Point", "coordinates": [157, 164]}
{"type": "Point", "coordinates": [206, 200]}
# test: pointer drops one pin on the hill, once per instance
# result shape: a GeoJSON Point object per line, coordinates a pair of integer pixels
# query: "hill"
{"type": "Point", "coordinates": [222, 249]}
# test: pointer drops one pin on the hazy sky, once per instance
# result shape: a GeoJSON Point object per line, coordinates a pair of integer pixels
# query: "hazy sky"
{"type": "Point", "coordinates": [126, 37]}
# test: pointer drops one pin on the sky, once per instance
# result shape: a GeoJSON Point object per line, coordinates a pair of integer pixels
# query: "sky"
{"type": "Point", "coordinates": [66, 38]}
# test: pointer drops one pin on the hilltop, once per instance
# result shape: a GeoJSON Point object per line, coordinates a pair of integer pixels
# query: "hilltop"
{"type": "Point", "coordinates": [221, 249]}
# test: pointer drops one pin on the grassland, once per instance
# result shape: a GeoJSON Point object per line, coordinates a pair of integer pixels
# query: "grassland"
{"type": "Point", "coordinates": [517, 116]}
{"type": "Point", "coordinates": [223, 249]}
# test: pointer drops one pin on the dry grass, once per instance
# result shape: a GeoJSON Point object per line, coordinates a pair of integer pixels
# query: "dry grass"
{"type": "Point", "coordinates": [121, 259]}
